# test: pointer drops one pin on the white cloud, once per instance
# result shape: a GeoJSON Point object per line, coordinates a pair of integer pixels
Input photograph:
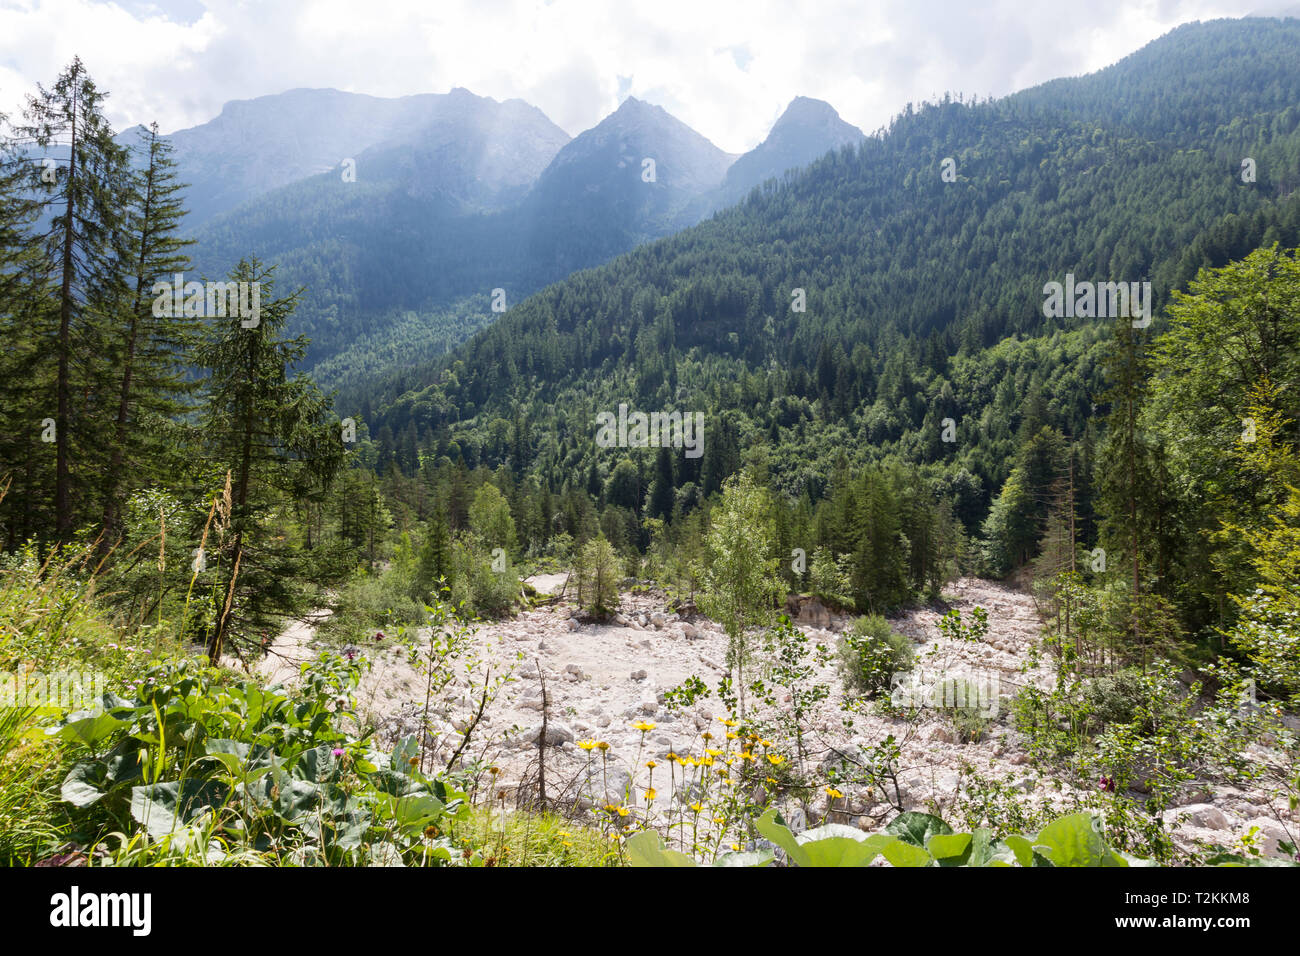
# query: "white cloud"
{"type": "Point", "coordinates": [725, 67]}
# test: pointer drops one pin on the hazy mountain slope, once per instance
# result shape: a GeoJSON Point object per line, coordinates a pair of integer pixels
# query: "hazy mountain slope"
{"type": "Point", "coordinates": [256, 146]}
{"type": "Point", "coordinates": [806, 131]}
{"type": "Point", "coordinates": [902, 270]}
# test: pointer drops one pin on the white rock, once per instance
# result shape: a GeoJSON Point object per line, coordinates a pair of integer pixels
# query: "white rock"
{"type": "Point", "coordinates": [556, 733]}
{"type": "Point", "coordinates": [1271, 833]}
{"type": "Point", "coordinates": [1202, 815]}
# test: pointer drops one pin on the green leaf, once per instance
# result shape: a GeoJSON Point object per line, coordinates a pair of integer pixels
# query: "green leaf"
{"type": "Point", "coordinates": [91, 731]}
{"type": "Point", "coordinates": [1021, 848]}
{"type": "Point", "coordinates": [981, 847]}
{"type": "Point", "coordinates": [164, 807]}
{"type": "Point", "coordinates": [950, 849]}
{"type": "Point", "coordinates": [746, 858]}
{"type": "Point", "coordinates": [81, 787]}
{"type": "Point", "coordinates": [917, 828]}
{"type": "Point", "coordinates": [780, 834]}
{"type": "Point", "coordinates": [900, 853]}
{"type": "Point", "coordinates": [1077, 840]}
{"type": "Point", "coordinates": [646, 849]}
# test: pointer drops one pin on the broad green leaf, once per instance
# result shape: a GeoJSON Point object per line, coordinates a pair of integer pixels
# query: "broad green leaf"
{"type": "Point", "coordinates": [646, 849]}
{"type": "Point", "coordinates": [981, 847]}
{"type": "Point", "coordinates": [916, 828]}
{"type": "Point", "coordinates": [746, 858]}
{"type": "Point", "coordinates": [1021, 848]}
{"type": "Point", "coordinates": [899, 853]}
{"type": "Point", "coordinates": [950, 849]}
{"type": "Point", "coordinates": [1077, 840]}
{"type": "Point", "coordinates": [780, 834]}
{"type": "Point", "coordinates": [81, 787]}
{"type": "Point", "coordinates": [164, 807]}
{"type": "Point", "coordinates": [91, 731]}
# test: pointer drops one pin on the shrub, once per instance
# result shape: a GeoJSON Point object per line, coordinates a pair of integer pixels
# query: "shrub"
{"type": "Point", "coordinates": [596, 577]}
{"type": "Point", "coordinates": [964, 703]}
{"type": "Point", "coordinates": [479, 586]}
{"type": "Point", "coordinates": [830, 578]}
{"type": "Point", "coordinates": [870, 653]}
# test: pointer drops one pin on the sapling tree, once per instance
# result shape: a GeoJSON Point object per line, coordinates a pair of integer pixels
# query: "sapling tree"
{"type": "Point", "coordinates": [738, 575]}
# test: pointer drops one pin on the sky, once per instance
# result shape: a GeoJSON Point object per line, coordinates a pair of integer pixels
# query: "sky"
{"type": "Point", "coordinates": [725, 68]}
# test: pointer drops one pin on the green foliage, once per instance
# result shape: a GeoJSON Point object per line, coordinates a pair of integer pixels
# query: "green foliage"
{"type": "Point", "coordinates": [738, 576]}
{"type": "Point", "coordinates": [597, 575]}
{"type": "Point", "coordinates": [871, 653]}
{"type": "Point", "coordinates": [253, 769]}
{"type": "Point", "coordinates": [913, 839]}
{"type": "Point", "coordinates": [830, 578]}
{"type": "Point", "coordinates": [490, 519]}
{"type": "Point", "coordinates": [789, 670]}
{"type": "Point", "coordinates": [953, 628]}
{"type": "Point", "coordinates": [483, 583]}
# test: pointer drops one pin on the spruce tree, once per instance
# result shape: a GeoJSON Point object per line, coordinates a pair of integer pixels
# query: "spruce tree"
{"type": "Point", "coordinates": [86, 215]}
{"type": "Point", "coordinates": [275, 436]}
{"type": "Point", "coordinates": [149, 351]}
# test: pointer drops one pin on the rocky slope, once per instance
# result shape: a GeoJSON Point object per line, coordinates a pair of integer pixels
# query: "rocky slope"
{"type": "Point", "coordinates": [602, 678]}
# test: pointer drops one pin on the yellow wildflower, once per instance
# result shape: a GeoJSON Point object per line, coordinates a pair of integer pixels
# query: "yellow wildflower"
{"type": "Point", "coordinates": [645, 726]}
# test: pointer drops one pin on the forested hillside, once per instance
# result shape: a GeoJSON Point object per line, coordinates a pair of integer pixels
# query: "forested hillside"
{"type": "Point", "coordinates": [924, 303]}
{"type": "Point", "coordinates": [399, 256]}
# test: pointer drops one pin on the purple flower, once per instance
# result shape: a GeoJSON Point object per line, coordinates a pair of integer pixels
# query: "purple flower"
{"type": "Point", "coordinates": [338, 751]}
{"type": "Point", "coordinates": [1107, 784]}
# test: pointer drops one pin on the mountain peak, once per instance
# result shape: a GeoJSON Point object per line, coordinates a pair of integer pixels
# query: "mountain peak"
{"type": "Point", "coordinates": [808, 129]}
{"type": "Point", "coordinates": [803, 108]}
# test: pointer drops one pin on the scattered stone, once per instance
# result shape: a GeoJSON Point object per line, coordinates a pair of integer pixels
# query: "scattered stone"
{"type": "Point", "coordinates": [1202, 815]}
